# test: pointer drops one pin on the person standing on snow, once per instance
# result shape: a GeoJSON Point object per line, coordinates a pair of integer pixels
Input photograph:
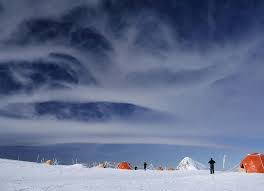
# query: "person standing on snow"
{"type": "Point", "coordinates": [211, 162]}
{"type": "Point", "coordinates": [145, 166]}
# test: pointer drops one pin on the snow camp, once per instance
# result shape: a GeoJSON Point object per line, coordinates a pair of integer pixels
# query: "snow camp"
{"type": "Point", "coordinates": [188, 174]}
{"type": "Point", "coordinates": [131, 95]}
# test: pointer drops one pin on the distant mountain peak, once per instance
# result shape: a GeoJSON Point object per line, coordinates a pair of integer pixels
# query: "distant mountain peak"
{"type": "Point", "coordinates": [189, 164]}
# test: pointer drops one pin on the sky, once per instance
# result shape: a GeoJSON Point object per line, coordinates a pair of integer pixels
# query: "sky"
{"type": "Point", "coordinates": [213, 90]}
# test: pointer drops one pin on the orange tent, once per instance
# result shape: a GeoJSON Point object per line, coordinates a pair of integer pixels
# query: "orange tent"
{"type": "Point", "coordinates": [253, 163]}
{"type": "Point", "coordinates": [124, 165]}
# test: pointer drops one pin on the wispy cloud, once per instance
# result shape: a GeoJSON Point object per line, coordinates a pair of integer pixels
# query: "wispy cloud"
{"type": "Point", "coordinates": [214, 92]}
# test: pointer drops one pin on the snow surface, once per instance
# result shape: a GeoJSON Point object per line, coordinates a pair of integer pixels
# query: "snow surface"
{"type": "Point", "coordinates": [26, 176]}
{"type": "Point", "coordinates": [189, 164]}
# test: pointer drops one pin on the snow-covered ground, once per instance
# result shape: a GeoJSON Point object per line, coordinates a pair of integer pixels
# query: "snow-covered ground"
{"type": "Point", "coordinates": [26, 176]}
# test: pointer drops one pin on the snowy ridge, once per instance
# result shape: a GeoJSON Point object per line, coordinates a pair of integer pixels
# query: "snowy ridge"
{"type": "Point", "coordinates": [189, 164]}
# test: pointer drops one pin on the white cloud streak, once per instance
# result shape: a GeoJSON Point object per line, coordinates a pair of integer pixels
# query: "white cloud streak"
{"type": "Point", "coordinates": [194, 96]}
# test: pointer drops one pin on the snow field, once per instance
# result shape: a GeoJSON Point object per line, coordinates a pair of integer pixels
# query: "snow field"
{"type": "Point", "coordinates": [26, 176]}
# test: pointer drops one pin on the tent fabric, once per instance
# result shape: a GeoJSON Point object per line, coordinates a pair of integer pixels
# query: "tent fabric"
{"type": "Point", "coordinates": [49, 162]}
{"type": "Point", "coordinates": [124, 165]}
{"type": "Point", "coordinates": [253, 163]}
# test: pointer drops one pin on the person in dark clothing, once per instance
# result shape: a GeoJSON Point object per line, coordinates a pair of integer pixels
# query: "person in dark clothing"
{"type": "Point", "coordinates": [211, 162]}
{"type": "Point", "coordinates": [145, 166]}
{"type": "Point", "coordinates": [136, 167]}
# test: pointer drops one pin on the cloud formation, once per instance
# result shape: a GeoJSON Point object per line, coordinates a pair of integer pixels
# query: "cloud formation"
{"type": "Point", "coordinates": [212, 92]}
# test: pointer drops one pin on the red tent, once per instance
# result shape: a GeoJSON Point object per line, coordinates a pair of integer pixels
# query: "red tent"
{"type": "Point", "coordinates": [124, 165]}
{"type": "Point", "coordinates": [253, 163]}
